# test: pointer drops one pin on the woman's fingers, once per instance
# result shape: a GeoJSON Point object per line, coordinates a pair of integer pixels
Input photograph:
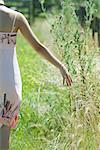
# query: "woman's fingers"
{"type": "Point", "coordinates": [13, 122]}
{"type": "Point", "coordinates": [68, 80]}
{"type": "Point", "coordinates": [63, 80]}
{"type": "Point", "coordinates": [66, 76]}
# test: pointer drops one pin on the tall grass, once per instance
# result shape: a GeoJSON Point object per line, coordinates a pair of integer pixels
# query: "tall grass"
{"type": "Point", "coordinates": [43, 100]}
{"type": "Point", "coordinates": [52, 116]}
{"type": "Point", "coordinates": [78, 54]}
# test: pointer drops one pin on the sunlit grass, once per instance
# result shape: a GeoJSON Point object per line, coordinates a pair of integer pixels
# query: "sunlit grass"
{"type": "Point", "coordinates": [47, 115]}
{"type": "Point", "coordinates": [42, 100]}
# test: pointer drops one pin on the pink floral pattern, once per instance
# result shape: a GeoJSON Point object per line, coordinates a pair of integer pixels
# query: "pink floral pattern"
{"type": "Point", "coordinates": [8, 38]}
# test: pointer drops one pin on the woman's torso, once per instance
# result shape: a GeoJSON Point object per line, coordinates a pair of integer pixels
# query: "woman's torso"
{"type": "Point", "coordinates": [10, 79]}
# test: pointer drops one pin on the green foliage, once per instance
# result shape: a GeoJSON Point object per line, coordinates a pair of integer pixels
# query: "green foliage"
{"type": "Point", "coordinates": [74, 47]}
{"type": "Point", "coordinates": [53, 117]}
{"type": "Point", "coordinates": [43, 107]}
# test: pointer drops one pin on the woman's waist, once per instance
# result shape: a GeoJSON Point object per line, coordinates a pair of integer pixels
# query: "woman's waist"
{"type": "Point", "coordinates": [9, 68]}
{"type": "Point", "coordinates": [10, 81]}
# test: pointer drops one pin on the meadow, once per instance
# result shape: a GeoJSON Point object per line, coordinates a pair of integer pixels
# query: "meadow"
{"type": "Point", "coordinates": [42, 91]}
{"type": "Point", "coordinates": [52, 115]}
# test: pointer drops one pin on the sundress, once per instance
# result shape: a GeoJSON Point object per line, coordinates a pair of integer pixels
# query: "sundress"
{"type": "Point", "coordinates": [10, 78]}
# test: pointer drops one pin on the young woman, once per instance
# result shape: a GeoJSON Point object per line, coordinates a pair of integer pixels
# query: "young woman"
{"type": "Point", "coordinates": [10, 80]}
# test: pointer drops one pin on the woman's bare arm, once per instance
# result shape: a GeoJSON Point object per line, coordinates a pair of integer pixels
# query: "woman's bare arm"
{"type": "Point", "coordinates": [40, 48]}
{"type": "Point", "coordinates": [35, 43]}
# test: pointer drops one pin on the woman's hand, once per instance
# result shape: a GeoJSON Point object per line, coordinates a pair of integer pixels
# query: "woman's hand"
{"type": "Point", "coordinates": [10, 123]}
{"type": "Point", "coordinates": [13, 122]}
{"type": "Point", "coordinates": [66, 76]}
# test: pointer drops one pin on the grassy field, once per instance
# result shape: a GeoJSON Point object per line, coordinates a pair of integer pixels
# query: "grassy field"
{"type": "Point", "coordinates": [43, 95]}
{"type": "Point", "coordinates": [48, 119]}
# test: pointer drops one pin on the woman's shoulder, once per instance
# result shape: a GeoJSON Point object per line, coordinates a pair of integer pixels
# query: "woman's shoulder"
{"type": "Point", "coordinates": [15, 12]}
{"type": "Point", "coordinates": [20, 17]}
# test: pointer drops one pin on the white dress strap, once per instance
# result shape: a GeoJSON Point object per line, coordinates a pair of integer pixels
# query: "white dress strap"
{"type": "Point", "coordinates": [13, 25]}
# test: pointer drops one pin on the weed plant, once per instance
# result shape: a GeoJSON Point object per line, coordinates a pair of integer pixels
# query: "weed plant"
{"type": "Point", "coordinates": [74, 47]}
{"type": "Point", "coordinates": [56, 117]}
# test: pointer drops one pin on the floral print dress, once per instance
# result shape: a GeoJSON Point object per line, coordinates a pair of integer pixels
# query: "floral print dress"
{"type": "Point", "coordinates": [10, 79]}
